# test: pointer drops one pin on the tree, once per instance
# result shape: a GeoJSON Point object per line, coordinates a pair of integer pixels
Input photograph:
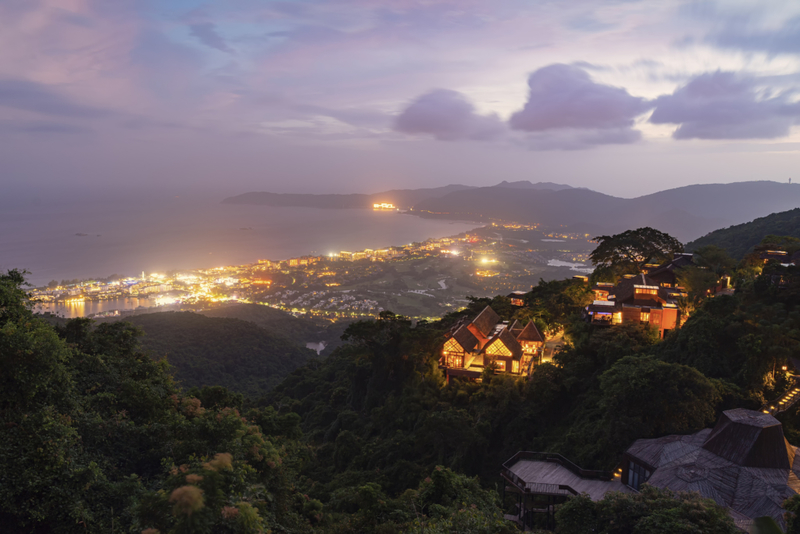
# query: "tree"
{"type": "Point", "coordinates": [697, 281]}
{"type": "Point", "coordinates": [715, 259]}
{"type": "Point", "coordinates": [628, 252]}
{"type": "Point", "coordinates": [646, 397]}
{"type": "Point", "coordinates": [652, 510]}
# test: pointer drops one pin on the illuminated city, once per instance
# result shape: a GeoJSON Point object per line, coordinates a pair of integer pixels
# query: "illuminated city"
{"type": "Point", "coordinates": [422, 280]}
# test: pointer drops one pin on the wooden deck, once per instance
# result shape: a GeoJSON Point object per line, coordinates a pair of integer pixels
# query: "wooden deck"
{"type": "Point", "coordinates": [544, 478]}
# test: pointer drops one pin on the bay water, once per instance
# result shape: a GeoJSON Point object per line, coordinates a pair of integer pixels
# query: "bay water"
{"type": "Point", "coordinates": [98, 238]}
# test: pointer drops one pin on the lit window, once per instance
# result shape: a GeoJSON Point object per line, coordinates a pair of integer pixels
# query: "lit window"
{"type": "Point", "coordinates": [643, 291]}
{"type": "Point", "coordinates": [514, 366]}
{"type": "Point", "coordinates": [455, 360]}
{"type": "Point", "coordinates": [498, 349]}
{"type": "Point", "coordinates": [501, 365]}
{"type": "Point", "coordinates": [644, 316]}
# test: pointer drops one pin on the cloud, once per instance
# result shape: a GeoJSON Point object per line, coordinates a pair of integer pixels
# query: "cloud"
{"type": "Point", "coordinates": [575, 139]}
{"type": "Point", "coordinates": [739, 35]}
{"type": "Point", "coordinates": [564, 99]}
{"type": "Point", "coordinates": [206, 33]}
{"type": "Point", "coordinates": [448, 116]}
{"type": "Point", "coordinates": [725, 105]}
{"type": "Point", "coordinates": [40, 98]}
{"type": "Point", "coordinates": [564, 96]}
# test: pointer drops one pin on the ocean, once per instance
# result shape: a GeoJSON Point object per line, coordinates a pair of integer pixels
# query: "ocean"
{"type": "Point", "coordinates": [98, 238]}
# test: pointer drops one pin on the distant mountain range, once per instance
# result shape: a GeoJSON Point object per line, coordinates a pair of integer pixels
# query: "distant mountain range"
{"type": "Point", "coordinates": [401, 198]}
{"type": "Point", "coordinates": [685, 212]}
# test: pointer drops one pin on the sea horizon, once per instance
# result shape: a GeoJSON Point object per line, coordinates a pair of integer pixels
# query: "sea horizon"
{"type": "Point", "coordinates": [102, 238]}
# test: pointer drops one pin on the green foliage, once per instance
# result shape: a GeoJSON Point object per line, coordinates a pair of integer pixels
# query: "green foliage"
{"type": "Point", "coordinates": [766, 525]}
{"type": "Point", "coordinates": [740, 239]}
{"type": "Point", "coordinates": [740, 339]}
{"type": "Point", "coordinates": [651, 511]}
{"type": "Point", "coordinates": [206, 351]}
{"type": "Point", "coordinates": [552, 304]}
{"type": "Point", "coordinates": [792, 507]}
{"type": "Point", "coordinates": [644, 396]}
{"type": "Point", "coordinates": [98, 438]}
{"type": "Point", "coordinates": [715, 259]}
{"type": "Point", "coordinates": [14, 301]}
{"type": "Point", "coordinates": [628, 252]}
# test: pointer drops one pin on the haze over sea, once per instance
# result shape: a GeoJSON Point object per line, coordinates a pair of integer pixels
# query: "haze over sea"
{"type": "Point", "coordinates": [126, 236]}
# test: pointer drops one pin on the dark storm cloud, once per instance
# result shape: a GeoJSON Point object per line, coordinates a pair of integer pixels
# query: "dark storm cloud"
{"type": "Point", "coordinates": [564, 96]}
{"type": "Point", "coordinates": [447, 116]}
{"type": "Point", "coordinates": [40, 98]}
{"type": "Point", "coordinates": [725, 105]}
{"type": "Point", "coordinates": [207, 34]}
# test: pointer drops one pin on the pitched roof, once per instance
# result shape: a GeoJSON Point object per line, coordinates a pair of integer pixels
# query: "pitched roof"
{"type": "Point", "coordinates": [515, 327]}
{"type": "Point", "coordinates": [465, 338]}
{"type": "Point", "coordinates": [486, 321]}
{"type": "Point", "coordinates": [530, 333]}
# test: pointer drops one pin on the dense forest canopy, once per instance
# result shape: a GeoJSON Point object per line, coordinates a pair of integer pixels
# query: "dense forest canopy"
{"type": "Point", "coordinates": [99, 438]}
{"type": "Point", "coordinates": [205, 351]}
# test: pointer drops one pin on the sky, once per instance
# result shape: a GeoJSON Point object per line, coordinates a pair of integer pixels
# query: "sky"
{"type": "Point", "coordinates": [340, 96]}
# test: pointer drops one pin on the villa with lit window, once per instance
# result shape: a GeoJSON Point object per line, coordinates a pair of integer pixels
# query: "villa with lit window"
{"type": "Point", "coordinates": [637, 298]}
{"type": "Point", "coordinates": [472, 346]}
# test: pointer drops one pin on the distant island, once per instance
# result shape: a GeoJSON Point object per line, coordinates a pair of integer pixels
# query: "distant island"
{"type": "Point", "coordinates": [685, 212]}
{"type": "Point", "coordinates": [400, 198]}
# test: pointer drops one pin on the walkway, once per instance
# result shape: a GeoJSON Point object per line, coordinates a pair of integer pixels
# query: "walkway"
{"type": "Point", "coordinates": [788, 400]}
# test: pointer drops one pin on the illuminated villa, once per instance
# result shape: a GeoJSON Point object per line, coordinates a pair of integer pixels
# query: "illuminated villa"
{"type": "Point", "coordinates": [472, 346]}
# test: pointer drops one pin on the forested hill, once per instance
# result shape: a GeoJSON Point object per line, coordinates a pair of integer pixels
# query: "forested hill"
{"type": "Point", "coordinates": [684, 212]}
{"type": "Point", "coordinates": [280, 323]}
{"type": "Point", "coordinates": [205, 351]}
{"type": "Point", "coordinates": [740, 239]}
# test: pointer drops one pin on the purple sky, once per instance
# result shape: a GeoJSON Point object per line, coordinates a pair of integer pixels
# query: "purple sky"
{"type": "Point", "coordinates": [623, 97]}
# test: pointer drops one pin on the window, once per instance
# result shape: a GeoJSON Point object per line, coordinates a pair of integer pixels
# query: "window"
{"type": "Point", "coordinates": [637, 475]}
{"type": "Point", "coordinates": [501, 365]}
{"type": "Point", "coordinates": [644, 316]}
{"type": "Point", "coordinates": [452, 346]}
{"type": "Point", "coordinates": [514, 366]}
{"type": "Point", "coordinates": [498, 349]}
{"type": "Point", "coordinates": [455, 360]}
{"type": "Point", "coordinates": [644, 291]}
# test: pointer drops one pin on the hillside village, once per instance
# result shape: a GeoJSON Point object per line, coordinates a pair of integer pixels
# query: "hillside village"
{"type": "Point", "coordinates": [662, 372]}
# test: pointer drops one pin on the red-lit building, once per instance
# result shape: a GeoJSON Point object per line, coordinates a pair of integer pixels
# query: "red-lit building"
{"type": "Point", "coordinates": [636, 299]}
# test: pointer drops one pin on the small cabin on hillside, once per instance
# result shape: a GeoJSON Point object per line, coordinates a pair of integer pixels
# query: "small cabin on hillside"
{"type": "Point", "coordinates": [472, 346]}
